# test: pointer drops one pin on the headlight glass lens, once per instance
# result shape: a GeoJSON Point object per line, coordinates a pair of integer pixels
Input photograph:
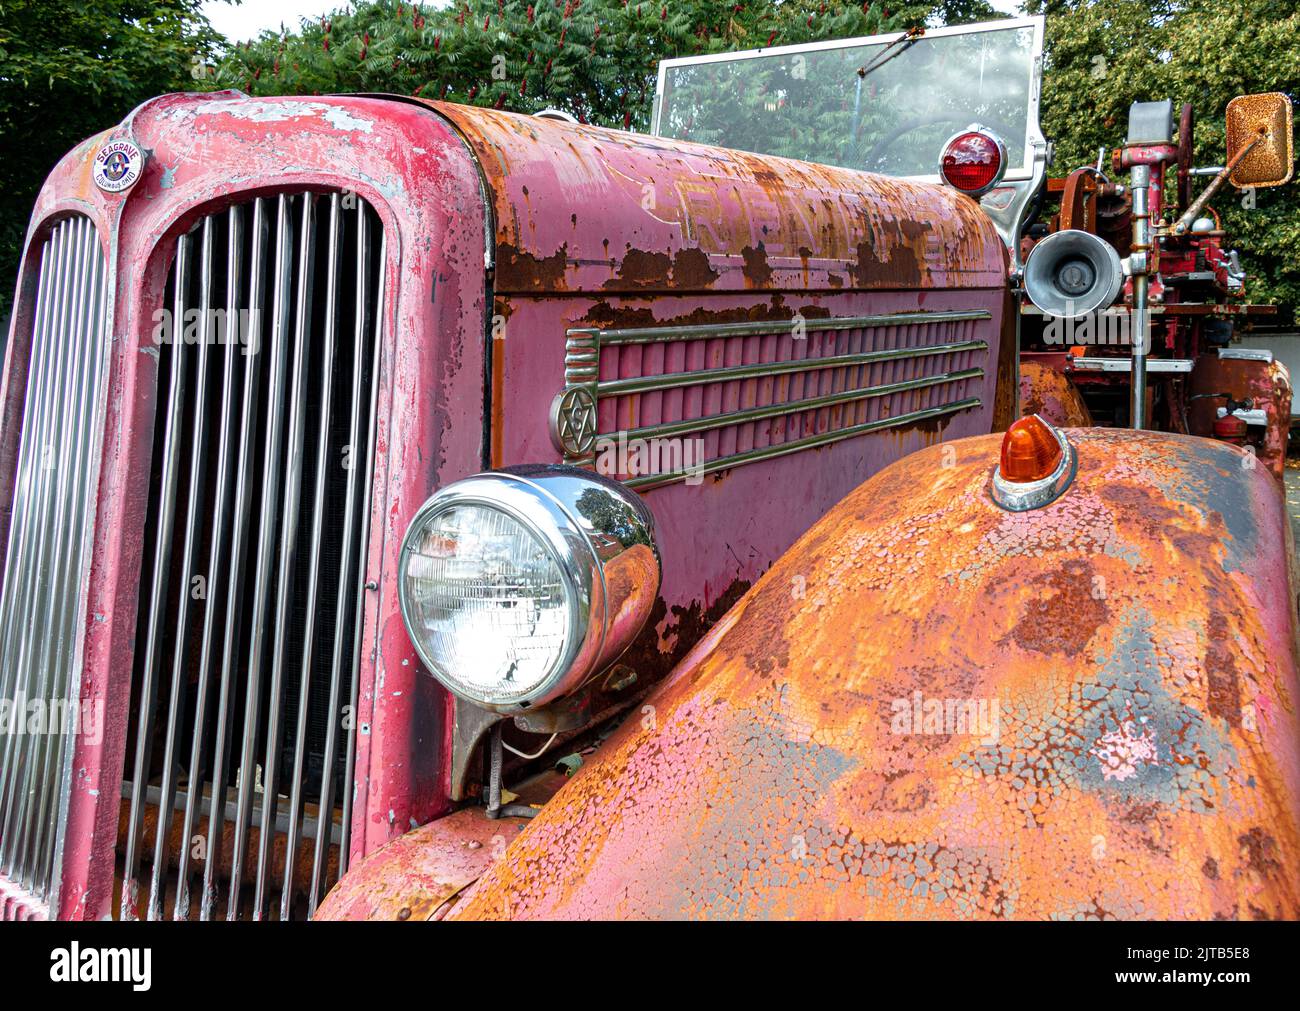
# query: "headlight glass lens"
{"type": "Point", "coordinates": [486, 601]}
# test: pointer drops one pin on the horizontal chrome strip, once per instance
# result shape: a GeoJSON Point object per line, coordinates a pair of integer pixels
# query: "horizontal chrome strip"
{"type": "Point", "coordinates": [1125, 364]}
{"type": "Point", "coordinates": [703, 331]}
{"type": "Point", "coordinates": [760, 370]}
{"type": "Point", "coordinates": [692, 425]}
{"type": "Point", "coordinates": [810, 442]}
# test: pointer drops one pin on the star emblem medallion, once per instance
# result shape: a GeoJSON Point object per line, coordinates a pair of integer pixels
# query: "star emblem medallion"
{"type": "Point", "coordinates": [573, 421]}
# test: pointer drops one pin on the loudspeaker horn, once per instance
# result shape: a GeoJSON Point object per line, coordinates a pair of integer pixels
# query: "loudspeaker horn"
{"type": "Point", "coordinates": [1072, 273]}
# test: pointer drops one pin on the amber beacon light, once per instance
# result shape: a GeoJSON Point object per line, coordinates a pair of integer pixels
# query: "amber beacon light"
{"type": "Point", "coordinates": [1036, 467]}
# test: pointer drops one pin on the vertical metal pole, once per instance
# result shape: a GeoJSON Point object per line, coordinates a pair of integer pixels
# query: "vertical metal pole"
{"type": "Point", "coordinates": [349, 559]}
{"type": "Point", "coordinates": [291, 508]}
{"type": "Point", "coordinates": [224, 731]}
{"type": "Point", "coordinates": [314, 562]}
{"type": "Point", "coordinates": [358, 635]}
{"type": "Point", "coordinates": [217, 567]}
{"type": "Point", "coordinates": [36, 625]}
{"type": "Point", "coordinates": [189, 553]}
{"type": "Point", "coordinates": [158, 585]}
{"type": "Point", "coordinates": [1140, 259]}
{"type": "Point", "coordinates": [272, 470]}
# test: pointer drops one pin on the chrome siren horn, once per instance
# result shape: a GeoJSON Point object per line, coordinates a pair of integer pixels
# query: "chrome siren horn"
{"type": "Point", "coordinates": [1072, 273]}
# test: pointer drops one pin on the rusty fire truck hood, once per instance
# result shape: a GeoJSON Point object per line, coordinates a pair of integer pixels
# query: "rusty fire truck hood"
{"type": "Point", "coordinates": [582, 208]}
{"type": "Point", "coordinates": [931, 708]}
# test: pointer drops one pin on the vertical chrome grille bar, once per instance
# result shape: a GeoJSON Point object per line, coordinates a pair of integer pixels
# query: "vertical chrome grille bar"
{"type": "Point", "coordinates": [35, 364]}
{"type": "Point", "coordinates": [324, 821]}
{"type": "Point", "coordinates": [61, 598]}
{"type": "Point", "coordinates": [190, 548]}
{"type": "Point", "coordinates": [36, 683]}
{"type": "Point", "coordinates": [363, 539]}
{"type": "Point", "coordinates": [347, 579]}
{"type": "Point", "coordinates": [44, 557]}
{"type": "Point", "coordinates": [26, 573]}
{"type": "Point", "coordinates": [289, 514]}
{"type": "Point", "coordinates": [158, 585]}
{"type": "Point", "coordinates": [232, 704]}
{"type": "Point", "coordinates": [79, 534]}
{"type": "Point", "coordinates": [271, 477]}
{"type": "Point", "coordinates": [18, 571]}
{"type": "Point", "coordinates": [222, 737]}
{"type": "Point", "coordinates": [217, 558]}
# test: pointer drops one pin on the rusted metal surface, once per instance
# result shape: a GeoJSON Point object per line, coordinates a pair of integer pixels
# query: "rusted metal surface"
{"type": "Point", "coordinates": [1267, 385]}
{"type": "Point", "coordinates": [205, 152]}
{"type": "Point", "coordinates": [1079, 201]}
{"type": "Point", "coordinates": [418, 876]}
{"type": "Point", "coordinates": [414, 876]}
{"type": "Point", "coordinates": [1137, 754]}
{"type": "Point", "coordinates": [1049, 393]}
{"type": "Point", "coordinates": [581, 208]}
{"type": "Point", "coordinates": [1264, 118]}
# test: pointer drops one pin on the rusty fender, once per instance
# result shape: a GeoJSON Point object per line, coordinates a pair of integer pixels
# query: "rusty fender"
{"type": "Point", "coordinates": [1049, 393]}
{"type": "Point", "coordinates": [931, 708]}
{"type": "Point", "coordinates": [1266, 384]}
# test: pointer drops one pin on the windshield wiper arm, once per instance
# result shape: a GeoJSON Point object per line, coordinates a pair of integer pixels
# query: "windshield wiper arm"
{"type": "Point", "coordinates": [905, 42]}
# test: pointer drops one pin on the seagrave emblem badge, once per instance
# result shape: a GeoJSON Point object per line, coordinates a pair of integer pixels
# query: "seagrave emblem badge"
{"type": "Point", "coordinates": [117, 166]}
{"type": "Point", "coordinates": [573, 421]}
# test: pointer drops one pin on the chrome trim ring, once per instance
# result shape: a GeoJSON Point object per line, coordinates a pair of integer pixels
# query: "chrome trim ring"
{"type": "Point", "coordinates": [591, 526]}
{"type": "Point", "coordinates": [983, 131]}
{"type": "Point", "coordinates": [1021, 496]}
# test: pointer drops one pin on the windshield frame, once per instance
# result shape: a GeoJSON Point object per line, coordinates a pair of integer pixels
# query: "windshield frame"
{"type": "Point", "coordinates": [1033, 138]}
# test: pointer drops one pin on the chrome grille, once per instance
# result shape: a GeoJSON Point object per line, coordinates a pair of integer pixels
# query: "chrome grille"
{"type": "Point", "coordinates": [753, 391]}
{"type": "Point", "coordinates": [46, 553]}
{"type": "Point", "coordinates": [240, 752]}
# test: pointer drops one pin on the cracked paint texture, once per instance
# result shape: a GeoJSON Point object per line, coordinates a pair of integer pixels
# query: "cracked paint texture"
{"type": "Point", "coordinates": [1137, 637]}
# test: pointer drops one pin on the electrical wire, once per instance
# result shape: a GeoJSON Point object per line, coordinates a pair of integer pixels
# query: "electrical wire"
{"type": "Point", "coordinates": [539, 754]}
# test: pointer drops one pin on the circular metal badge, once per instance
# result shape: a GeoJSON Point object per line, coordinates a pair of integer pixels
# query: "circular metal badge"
{"type": "Point", "coordinates": [118, 165]}
{"type": "Point", "coordinates": [573, 421]}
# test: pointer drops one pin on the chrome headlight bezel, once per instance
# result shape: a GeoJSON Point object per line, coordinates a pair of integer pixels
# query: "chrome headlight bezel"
{"type": "Point", "coordinates": [582, 542]}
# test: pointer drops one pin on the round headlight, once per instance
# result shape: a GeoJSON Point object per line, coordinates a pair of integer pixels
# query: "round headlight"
{"type": "Point", "coordinates": [519, 585]}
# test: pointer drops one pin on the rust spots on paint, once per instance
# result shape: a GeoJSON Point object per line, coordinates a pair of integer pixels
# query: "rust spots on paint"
{"type": "Point", "coordinates": [756, 270]}
{"type": "Point", "coordinates": [1221, 671]}
{"type": "Point", "coordinates": [692, 270]}
{"type": "Point", "coordinates": [625, 314]}
{"type": "Point", "coordinates": [641, 269]}
{"type": "Point", "coordinates": [1065, 610]}
{"type": "Point", "coordinates": [520, 270]}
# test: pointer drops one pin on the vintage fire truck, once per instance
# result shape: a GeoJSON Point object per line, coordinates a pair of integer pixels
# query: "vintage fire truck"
{"type": "Point", "coordinates": [471, 507]}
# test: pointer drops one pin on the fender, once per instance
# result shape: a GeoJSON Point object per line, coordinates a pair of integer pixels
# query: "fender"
{"type": "Point", "coordinates": [1048, 392]}
{"type": "Point", "coordinates": [932, 708]}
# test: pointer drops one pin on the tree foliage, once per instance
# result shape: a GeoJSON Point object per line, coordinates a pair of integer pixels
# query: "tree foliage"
{"type": "Point", "coordinates": [1103, 55]}
{"type": "Point", "coordinates": [70, 68]}
{"type": "Point", "coordinates": [596, 59]}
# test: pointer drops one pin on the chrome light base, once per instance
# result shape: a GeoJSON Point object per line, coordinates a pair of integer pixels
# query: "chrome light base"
{"type": "Point", "coordinates": [1021, 496]}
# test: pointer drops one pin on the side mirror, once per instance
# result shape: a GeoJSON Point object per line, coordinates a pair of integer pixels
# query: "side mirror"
{"type": "Point", "coordinates": [1263, 121]}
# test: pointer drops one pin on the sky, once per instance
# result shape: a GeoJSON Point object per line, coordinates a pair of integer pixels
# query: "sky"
{"type": "Point", "coordinates": [248, 19]}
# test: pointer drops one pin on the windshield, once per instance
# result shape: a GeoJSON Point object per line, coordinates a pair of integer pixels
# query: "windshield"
{"type": "Point", "coordinates": [885, 104]}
